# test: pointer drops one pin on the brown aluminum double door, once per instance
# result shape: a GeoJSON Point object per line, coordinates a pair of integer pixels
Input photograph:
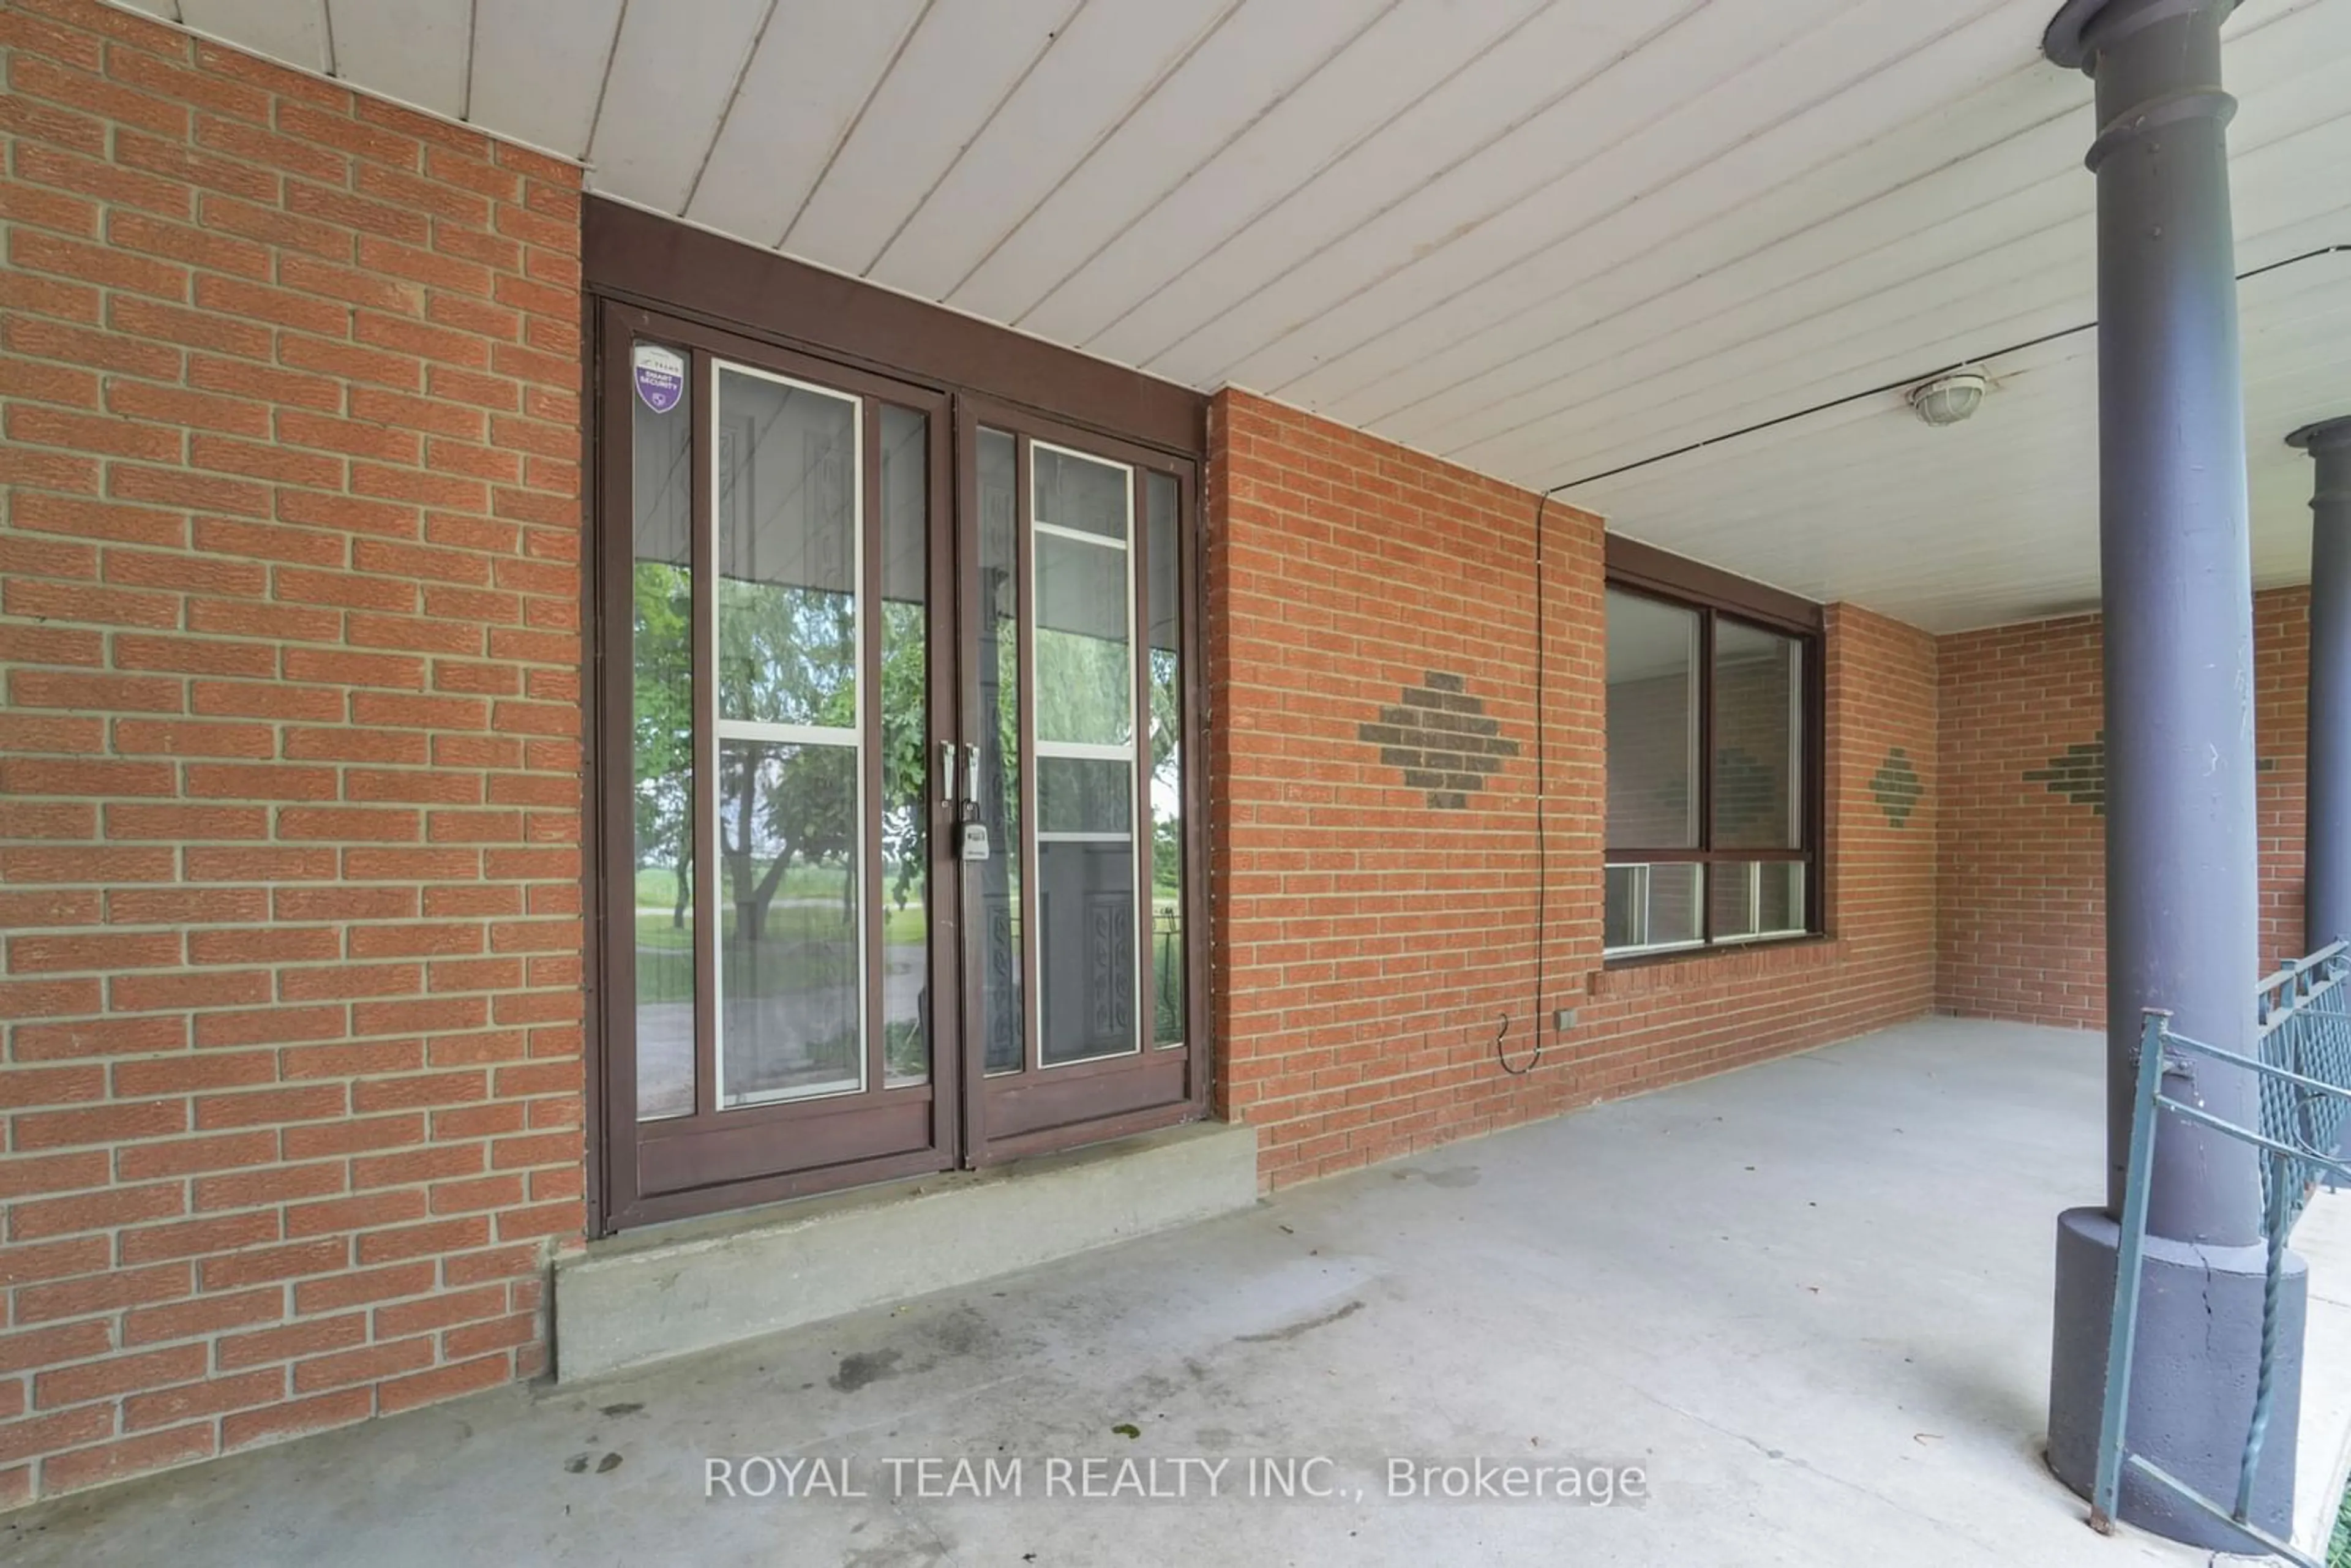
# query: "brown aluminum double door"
{"type": "Point", "coordinates": [893, 720]}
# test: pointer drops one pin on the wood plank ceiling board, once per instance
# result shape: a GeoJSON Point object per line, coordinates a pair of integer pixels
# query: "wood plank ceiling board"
{"type": "Point", "coordinates": [1260, 53]}
{"type": "Point", "coordinates": [539, 69]}
{"type": "Point", "coordinates": [1945, 275]}
{"type": "Point", "coordinates": [1537, 67]}
{"type": "Point", "coordinates": [664, 94]}
{"type": "Point", "coordinates": [1721, 274]}
{"type": "Point", "coordinates": [816, 68]}
{"type": "Point", "coordinates": [1994, 519]}
{"type": "Point", "coordinates": [2022, 288]}
{"type": "Point", "coordinates": [1800, 179]}
{"type": "Point", "coordinates": [1443, 227]}
{"type": "Point", "coordinates": [1548, 239]}
{"type": "Point", "coordinates": [1381, 72]}
{"type": "Point", "coordinates": [1970, 158]}
{"type": "Point", "coordinates": [2274, 303]}
{"type": "Point", "coordinates": [1739, 484]}
{"type": "Point", "coordinates": [416, 51]}
{"type": "Point", "coordinates": [294, 31]}
{"type": "Point", "coordinates": [1783, 109]}
{"type": "Point", "coordinates": [958, 68]}
{"type": "Point", "coordinates": [2038, 283]}
{"type": "Point", "coordinates": [1101, 68]}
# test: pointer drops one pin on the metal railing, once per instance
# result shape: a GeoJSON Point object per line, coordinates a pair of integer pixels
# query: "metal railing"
{"type": "Point", "coordinates": [2303, 1068]}
{"type": "Point", "coordinates": [2304, 1012]}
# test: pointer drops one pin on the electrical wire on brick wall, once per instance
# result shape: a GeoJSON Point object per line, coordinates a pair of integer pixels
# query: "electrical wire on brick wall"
{"type": "Point", "coordinates": [1542, 833]}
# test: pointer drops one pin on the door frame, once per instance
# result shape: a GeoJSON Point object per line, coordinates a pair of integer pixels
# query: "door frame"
{"type": "Point", "coordinates": [708, 1183]}
{"type": "Point", "coordinates": [634, 259]}
{"type": "Point", "coordinates": [1087, 1098]}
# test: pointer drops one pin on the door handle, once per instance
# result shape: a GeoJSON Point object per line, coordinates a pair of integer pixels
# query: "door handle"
{"type": "Point", "coordinates": [971, 779]}
{"type": "Point", "coordinates": [947, 775]}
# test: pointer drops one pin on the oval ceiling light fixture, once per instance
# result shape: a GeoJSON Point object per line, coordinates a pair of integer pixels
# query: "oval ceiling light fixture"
{"type": "Point", "coordinates": [1949, 399]}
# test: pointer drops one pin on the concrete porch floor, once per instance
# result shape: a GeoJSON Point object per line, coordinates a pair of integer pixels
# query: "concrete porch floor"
{"type": "Point", "coordinates": [1810, 1300]}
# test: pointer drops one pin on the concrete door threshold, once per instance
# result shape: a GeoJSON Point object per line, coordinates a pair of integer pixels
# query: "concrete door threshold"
{"type": "Point", "coordinates": [676, 1289]}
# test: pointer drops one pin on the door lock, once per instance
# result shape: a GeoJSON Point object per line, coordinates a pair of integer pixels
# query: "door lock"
{"type": "Point", "coordinates": [971, 834]}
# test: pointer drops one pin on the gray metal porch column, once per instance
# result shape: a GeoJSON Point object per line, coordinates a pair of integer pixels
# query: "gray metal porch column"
{"type": "Point", "coordinates": [2182, 925]}
{"type": "Point", "coordinates": [2326, 843]}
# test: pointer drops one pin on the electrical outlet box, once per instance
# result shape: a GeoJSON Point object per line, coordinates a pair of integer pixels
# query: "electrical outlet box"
{"type": "Point", "coordinates": [1562, 1021]}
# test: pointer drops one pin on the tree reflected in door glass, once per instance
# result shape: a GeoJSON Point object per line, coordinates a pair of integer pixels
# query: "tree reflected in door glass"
{"type": "Point", "coordinates": [906, 1008]}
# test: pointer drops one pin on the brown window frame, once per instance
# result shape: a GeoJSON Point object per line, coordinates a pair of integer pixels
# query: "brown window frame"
{"type": "Point", "coordinates": [1711, 593]}
{"type": "Point", "coordinates": [636, 261]}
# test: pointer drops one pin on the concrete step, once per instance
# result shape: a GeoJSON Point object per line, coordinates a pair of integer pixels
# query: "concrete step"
{"type": "Point", "coordinates": [676, 1289]}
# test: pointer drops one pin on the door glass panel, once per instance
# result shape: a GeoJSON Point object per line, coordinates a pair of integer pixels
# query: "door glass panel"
{"type": "Point", "coordinates": [1166, 653]}
{"type": "Point", "coordinates": [1089, 961]}
{"type": "Point", "coordinates": [1080, 493]}
{"type": "Point", "coordinates": [662, 745]}
{"type": "Point", "coordinates": [788, 970]}
{"type": "Point", "coordinates": [786, 521]}
{"type": "Point", "coordinates": [905, 747]}
{"type": "Point", "coordinates": [790, 815]}
{"type": "Point", "coordinates": [1085, 662]}
{"type": "Point", "coordinates": [997, 739]}
{"type": "Point", "coordinates": [1084, 797]}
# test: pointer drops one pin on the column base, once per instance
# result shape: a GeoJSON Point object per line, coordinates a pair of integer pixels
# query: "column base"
{"type": "Point", "coordinates": [2194, 1364]}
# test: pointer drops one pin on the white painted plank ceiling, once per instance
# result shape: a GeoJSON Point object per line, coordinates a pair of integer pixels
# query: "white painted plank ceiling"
{"type": "Point", "coordinates": [294, 31]}
{"type": "Point", "coordinates": [418, 49]}
{"type": "Point", "coordinates": [1546, 239]}
{"type": "Point", "coordinates": [538, 66]}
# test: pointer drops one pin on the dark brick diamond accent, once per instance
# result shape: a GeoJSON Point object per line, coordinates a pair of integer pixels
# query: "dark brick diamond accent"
{"type": "Point", "coordinates": [1441, 737]}
{"type": "Point", "coordinates": [2078, 773]}
{"type": "Point", "coordinates": [1897, 787]}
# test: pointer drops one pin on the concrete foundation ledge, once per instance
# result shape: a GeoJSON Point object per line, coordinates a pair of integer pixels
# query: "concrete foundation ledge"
{"type": "Point", "coordinates": [688, 1287]}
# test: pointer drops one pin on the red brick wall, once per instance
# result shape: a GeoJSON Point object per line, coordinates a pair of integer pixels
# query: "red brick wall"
{"type": "Point", "coordinates": [1367, 944]}
{"type": "Point", "coordinates": [2022, 916]}
{"type": "Point", "coordinates": [2281, 742]}
{"type": "Point", "coordinates": [289, 755]}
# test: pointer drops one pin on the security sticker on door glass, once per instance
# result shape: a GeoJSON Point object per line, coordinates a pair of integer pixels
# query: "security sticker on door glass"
{"type": "Point", "coordinates": [661, 376]}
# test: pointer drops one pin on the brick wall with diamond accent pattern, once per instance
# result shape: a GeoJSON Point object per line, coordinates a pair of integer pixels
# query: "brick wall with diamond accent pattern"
{"type": "Point", "coordinates": [1372, 933]}
{"type": "Point", "coordinates": [2022, 916]}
